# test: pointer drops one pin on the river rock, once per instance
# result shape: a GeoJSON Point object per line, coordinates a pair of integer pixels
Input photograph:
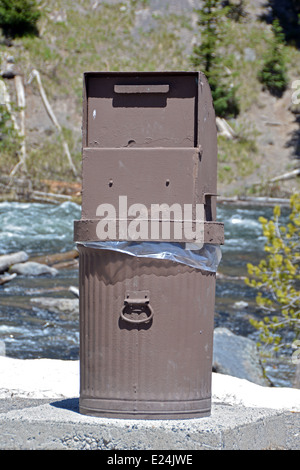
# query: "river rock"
{"type": "Point", "coordinates": [31, 268]}
{"type": "Point", "coordinates": [240, 304]}
{"type": "Point", "coordinates": [237, 356]}
{"type": "Point", "coordinates": [57, 305]}
{"type": "Point", "coordinates": [12, 258]}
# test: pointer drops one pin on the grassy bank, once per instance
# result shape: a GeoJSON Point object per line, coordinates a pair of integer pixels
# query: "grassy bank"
{"type": "Point", "coordinates": [84, 36]}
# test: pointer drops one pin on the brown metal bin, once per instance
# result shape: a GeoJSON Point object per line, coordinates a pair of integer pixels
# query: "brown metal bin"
{"type": "Point", "coordinates": [146, 324]}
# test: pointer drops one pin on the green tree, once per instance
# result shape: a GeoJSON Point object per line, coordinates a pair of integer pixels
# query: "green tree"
{"type": "Point", "coordinates": [236, 9]}
{"type": "Point", "coordinates": [277, 280]}
{"type": "Point", "coordinates": [206, 56]}
{"type": "Point", "coordinates": [273, 73]}
{"type": "Point", "coordinates": [19, 17]}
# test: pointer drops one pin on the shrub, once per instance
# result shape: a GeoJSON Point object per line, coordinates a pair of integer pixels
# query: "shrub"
{"type": "Point", "coordinates": [277, 280]}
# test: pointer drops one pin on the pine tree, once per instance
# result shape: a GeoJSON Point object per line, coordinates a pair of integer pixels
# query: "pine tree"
{"type": "Point", "coordinates": [19, 17]}
{"type": "Point", "coordinates": [273, 74]}
{"type": "Point", "coordinates": [206, 57]}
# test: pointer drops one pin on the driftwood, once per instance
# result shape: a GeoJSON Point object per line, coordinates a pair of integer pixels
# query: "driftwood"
{"type": "Point", "coordinates": [54, 259]}
{"type": "Point", "coordinates": [8, 260]}
{"type": "Point", "coordinates": [5, 100]}
{"type": "Point", "coordinates": [286, 176]}
{"type": "Point", "coordinates": [224, 128]}
{"type": "Point", "coordinates": [35, 74]}
{"type": "Point", "coordinates": [58, 260]}
{"type": "Point", "coordinates": [74, 291]}
{"type": "Point", "coordinates": [59, 196]}
{"type": "Point", "coordinates": [67, 264]}
{"type": "Point", "coordinates": [21, 103]}
{"type": "Point", "coordinates": [258, 201]}
{"type": "Point", "coordinates": [49, 196]}
{"type": "Point", "coordinates": [6, 278]}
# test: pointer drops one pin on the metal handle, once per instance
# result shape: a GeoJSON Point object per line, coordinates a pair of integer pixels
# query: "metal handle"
{"type": "Point", "coordinates": [141, 88]}
{"type": "Point", "coordinates": [137, 299]}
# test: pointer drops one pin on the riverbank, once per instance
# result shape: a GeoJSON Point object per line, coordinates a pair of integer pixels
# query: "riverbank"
{"type": "Point", "coordinates": [34, 328]}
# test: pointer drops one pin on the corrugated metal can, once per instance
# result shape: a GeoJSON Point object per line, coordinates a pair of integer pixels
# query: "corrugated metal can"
{"type": "Point", "coordinates": [146, 336]}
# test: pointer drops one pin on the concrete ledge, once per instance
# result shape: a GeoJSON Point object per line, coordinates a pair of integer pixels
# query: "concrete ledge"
{"type": "Point", "coordinates": [39, 410]}
{"type": "Point", "coordinates": [57, 424]}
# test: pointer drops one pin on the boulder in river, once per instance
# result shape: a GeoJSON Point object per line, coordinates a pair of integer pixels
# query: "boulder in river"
{"type": "Point", "coordinates": [57, 305]}
{"type": "Point", "coordinates": [12, 258]}
{"type": "Point", "coordinates": [31, 268]}
{"type": "Point", "coordinates": [237, 356]}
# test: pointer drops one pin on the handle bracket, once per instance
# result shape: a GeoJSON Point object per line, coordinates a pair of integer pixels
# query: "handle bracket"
{"type": "Point", "coordinates": [140, 299]}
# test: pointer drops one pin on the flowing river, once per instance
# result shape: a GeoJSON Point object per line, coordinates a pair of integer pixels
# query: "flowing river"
{"type": "Point", "coordinates": [29, 331]}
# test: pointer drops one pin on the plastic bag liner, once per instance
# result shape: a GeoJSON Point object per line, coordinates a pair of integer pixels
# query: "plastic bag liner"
{"type": "Point", "coordinates": [206, 257]}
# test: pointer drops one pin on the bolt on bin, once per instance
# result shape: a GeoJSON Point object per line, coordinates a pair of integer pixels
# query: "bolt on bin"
{"type": "Point", "coordinates": [149, 245]}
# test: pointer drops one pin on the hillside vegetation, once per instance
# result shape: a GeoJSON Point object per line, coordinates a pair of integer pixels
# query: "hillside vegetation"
{"type": "Point", "coordinates": [147, 35]}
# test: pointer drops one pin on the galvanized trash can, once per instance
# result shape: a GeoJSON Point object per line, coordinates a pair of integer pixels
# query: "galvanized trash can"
{"type": "Point", "coordinates": [147, 284]}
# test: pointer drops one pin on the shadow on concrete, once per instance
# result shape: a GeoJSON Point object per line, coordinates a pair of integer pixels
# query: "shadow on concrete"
{"type": "Point", "coordinates": [71, 404]}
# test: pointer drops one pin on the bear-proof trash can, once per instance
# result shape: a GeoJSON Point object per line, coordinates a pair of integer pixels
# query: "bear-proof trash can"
{"type": "Point", "coordinates": [149, 245]}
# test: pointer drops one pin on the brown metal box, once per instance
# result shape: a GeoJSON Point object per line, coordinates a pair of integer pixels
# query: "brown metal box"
{"type": "Point", "coordinates": [150, 136]}
{"type": "Point", "coordinates": [146, 325]}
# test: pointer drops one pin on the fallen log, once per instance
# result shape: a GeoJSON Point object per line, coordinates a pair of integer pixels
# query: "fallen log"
{"type": "Point", "coordinates": [6, 278]}
{"type": "Point", "coordinates": [286, 176]}
{"type": "Point", "coordinates": [59, 196]}
{"type": "Point", "coordinates": [259, 201]}
{"type": "Point", "coordinates": [13, 258]}
{"type": "Point", "coordinates": [51, 260]}
{"type": "Point", "coordinates": [35, 74]}
{"type": "Point", "coordinates": [67, 264]}
{"type": "Point", "coordinates": [74, 291]}
{"type": "Point", "coordinates": [30, 268]}
{"type": "Point", "coordinates": [224, 128]}
{"type": "Point", "coordinates": [22, 104]}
